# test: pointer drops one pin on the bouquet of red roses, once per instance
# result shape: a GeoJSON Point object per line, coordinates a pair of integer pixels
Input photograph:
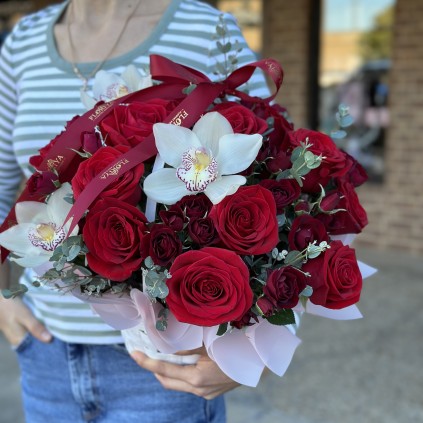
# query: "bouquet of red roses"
{"type": "Point", "coordinates": [204, 219]}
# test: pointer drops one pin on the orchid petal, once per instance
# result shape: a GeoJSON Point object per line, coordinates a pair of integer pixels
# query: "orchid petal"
{"type": "Point", "coordinates": [145, 82]}
{"type": "Point", "coordinates": [57, 207]}
{"type": "Point", "coordinates": [237, 152]}
{"type": "Point", "coordinates": [210, 128]}
{"type": "Point", "coordinates": [16, 239]}
{"type": "Point", "coordinates": [132, 78]}
{"type": "Point", "coordinates": [164, 187]}
{"type": "Point", "coordinates": [30, 211]}
{"type": "Point", "coordinates": [172, 141]}
{"type": "Point", "coordinates": [31, 261]}
{"type": "Point", "coordinates": [87, 101]}
{"type": "Point", "coordinates": [105, 84]}
{"type": "Point", "coordinates": [226, 185]}
{"type": "Point", "coordinates": [135, 80]}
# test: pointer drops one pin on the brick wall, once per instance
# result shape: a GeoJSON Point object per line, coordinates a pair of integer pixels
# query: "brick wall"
{"type": "Point", "coordinates": [285, 38]}
{"type": "Point", "coordinates": [395, 209]}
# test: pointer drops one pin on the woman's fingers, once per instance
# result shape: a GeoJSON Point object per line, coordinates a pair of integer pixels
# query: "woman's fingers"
{"type": "Point", "coordinates": [204, 378]}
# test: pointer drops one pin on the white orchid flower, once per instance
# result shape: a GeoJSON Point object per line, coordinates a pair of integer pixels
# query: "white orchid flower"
{"type": "Point", "coordinates": [39, 229]}
{"type": "Point", "coordinates": [109, 86]}
{"type": "Point", "coordinates": [206, 159]}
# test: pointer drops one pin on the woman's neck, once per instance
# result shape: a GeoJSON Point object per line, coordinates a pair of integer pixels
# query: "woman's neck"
{"type": "Point", "coordinates": [99, 12]}
{"type": "Point", "coordinates": [93, 26]}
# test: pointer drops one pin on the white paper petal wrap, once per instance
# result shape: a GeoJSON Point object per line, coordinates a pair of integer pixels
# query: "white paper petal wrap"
{"type": "Point", "coordinates": [241, 354]}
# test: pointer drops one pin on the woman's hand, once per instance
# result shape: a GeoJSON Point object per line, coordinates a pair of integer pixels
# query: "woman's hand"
{"type": "Point", "coordinates": [16, 320]}
{"type": "Point", "coordinates": [204, 378]}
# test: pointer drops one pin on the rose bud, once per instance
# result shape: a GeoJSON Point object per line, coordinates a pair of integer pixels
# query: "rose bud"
{"type": "Point", "coordinates": [283, 287]}
{"type": "Point", "coordinates": [306, 229]}
{"type": "Point", "coordinates": [42, 183]}
{"type": "Point", "coordinates": [174, 218]}
{"type": "Point", "coordinates": [285, 192]}
{"type": "Point", "coordinates": [162, 245]}
{"type": "Point", "coordinates": [90, 141]}
{"type": "Point", "coordinates": [266, 306]}
{"type": "Point", "coordinates": [195, 206]}
{"type": "Point", "coordinates": [203, 232]}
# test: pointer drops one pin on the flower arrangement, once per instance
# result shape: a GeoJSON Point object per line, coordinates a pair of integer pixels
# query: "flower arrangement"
{"type": "Point", "coordinates": [234, 222]}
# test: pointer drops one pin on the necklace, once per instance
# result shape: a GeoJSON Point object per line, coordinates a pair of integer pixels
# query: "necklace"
{"type": "Point", "coordinates": [75, 68]}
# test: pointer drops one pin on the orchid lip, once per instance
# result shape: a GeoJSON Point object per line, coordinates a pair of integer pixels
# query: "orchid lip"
{"type": "Point", "coordinates": [47, 236]}
{"type": "Point", "coordinates": [114, 91]}
{"type": "Point", "coordinates": [198, 169]}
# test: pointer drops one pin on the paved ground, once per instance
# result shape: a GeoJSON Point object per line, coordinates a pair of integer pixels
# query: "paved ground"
{"type": "Point", "coordinates": [365, 371]}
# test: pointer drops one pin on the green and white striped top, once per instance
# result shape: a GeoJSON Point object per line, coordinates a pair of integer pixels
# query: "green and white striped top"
{"type": "Point", "coordinates": [39, 93]}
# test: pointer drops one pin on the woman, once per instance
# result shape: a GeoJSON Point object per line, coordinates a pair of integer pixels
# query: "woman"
{"type": "Point", "coordinates": [74, 367]}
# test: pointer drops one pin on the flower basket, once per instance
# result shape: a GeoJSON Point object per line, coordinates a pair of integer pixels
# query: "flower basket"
{"type": "Point", "coordinates": [212, 223]}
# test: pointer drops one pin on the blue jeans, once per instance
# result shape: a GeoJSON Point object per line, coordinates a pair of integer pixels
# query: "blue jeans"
{"type": "Point", "coordinates": [72, 383]}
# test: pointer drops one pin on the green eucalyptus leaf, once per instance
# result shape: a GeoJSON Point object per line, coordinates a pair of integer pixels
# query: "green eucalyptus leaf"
{"type": "Point", "coordinates": [226, 47]}
{"type": "Point", "coordinates": [307, 291]}
{"type": "Point", "coordinates": [298, 151]}
{"type": "Point", "coordinates": [157, 288]}
{"type": "Point", "coordinates": [220, 30]}
{"type": "Point", "coordinates": [281, 219]}
{"type": "Point", "coordinates": [83, 270]}
{"type": "Point", "coordinates": [283, 175]}
{"type": "Point", "coordinates": [51, 274]}
{"type": "Point", "coordinates": [17, 290]}
{"type": "Point", "coordinates": [148, 263]}
{"type": "Point", "coordinates": [163, 313]}
{"type": "Point", "coordinates": [161, 325]}
{"type": "Point", "coordinates": [338, 135]}
{"type": "Point", "coordinates": [73, 252]}
{"type": "Point", "coordinates": [346, 121]}
{"type": "Point", "coordinates": [293, 258]}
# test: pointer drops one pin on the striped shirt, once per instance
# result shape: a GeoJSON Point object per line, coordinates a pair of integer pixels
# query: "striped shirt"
{"type": "Point", "coordinates": [39, 92]}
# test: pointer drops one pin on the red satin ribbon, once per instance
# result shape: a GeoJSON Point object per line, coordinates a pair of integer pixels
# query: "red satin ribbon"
{"type": "Point", "coordinates": [175, 78]}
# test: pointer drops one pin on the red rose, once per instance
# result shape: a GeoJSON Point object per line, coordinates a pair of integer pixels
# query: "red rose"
{"type": "Point", "coordinates": [356, 175]}
{"type": "Point", "coordinates": [284, 286]}
{"type": "Point", "coordinates": [125, 188]}
{"type": "Point", "coordinates": [174, 218]}
{"type": "Point", "coordinates": [161, 244]}
{"type": "Point", "coordinates": [195, 206]}
{"type": "Point", "coordinates": [242, 119]}
{"type": "Point", "coordinates": [304, 230]}
{"type": "Point", "coordinates": [335, 277]}
{"type": "Point", "coordinates": [209, 287]}
{"type": "Point", "coordinates": [42, 183]}
{"type": "Point", "coordinates": [113, 232]}
{"type": "Point", "coordinates": [352, 217]}
{"type": "Point", "coordinates": [274, 149]}
{"type": "Point", "coordinates": [131, 124]}
{"type": "Point", "coordinates": [246, 221]}
{"type": "Point", "coordinates": [285, 192]}
{"type": "Point", "coordinates": [334, 163]}
{"type": "Point", "coordinates": [203, 232]}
